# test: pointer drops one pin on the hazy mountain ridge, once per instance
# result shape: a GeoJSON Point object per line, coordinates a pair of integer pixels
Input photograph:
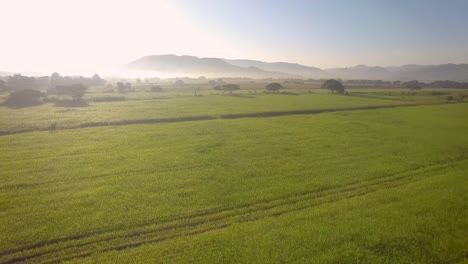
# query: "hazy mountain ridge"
{"type": "Point", "coordinates": [191, 65]}
{"type": "Point", "coordinates": [286, 67]}
{"type": "Point", "coordinates": [219, 67]}
{"type": "Point", "coordinates": [452, 72]}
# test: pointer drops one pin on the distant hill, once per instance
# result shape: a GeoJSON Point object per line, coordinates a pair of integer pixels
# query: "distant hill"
{"type": "Point", "coordinates": [209, 67]}
{"type": "Point", "coordinates": [219, 67]}
{"type": "Point", "coordinates": [453, 72]}
{"type": "Point", "coordinates": [286, 67]}
{"type": "Point", "coordinates": [361, 72]}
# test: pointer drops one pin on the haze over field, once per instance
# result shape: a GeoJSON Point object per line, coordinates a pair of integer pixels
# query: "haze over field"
{"type": "Point", "coordinates": [84, 37]}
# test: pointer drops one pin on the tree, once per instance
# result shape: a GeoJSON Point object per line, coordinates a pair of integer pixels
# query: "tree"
{"type": "Point", "coordinates": [97, 81]}
{"type": "Point", "coordinates": [3, 86]}
{"type": "Point", "coordinates": [231, 87]}
{"type": "Point", "coordinates": [274, 87]}
{"type": "Point", "coordinates": [20, 82]}
{"type": "Point", "coordinates": [24, 98]}
{"type": "Point", "coordinates": [156, 88]}
{"type": "Point", "coordinates": [334, 86]}
{"type": "Point", "coordinates": [75, 91]}
{"type": "Point", "coordinates": [413, 85]}
{"type": "Point", "coordinates": [124, 87]}
{"type": "Point", "coordinates": [128, 86]}
{"type": "Point", "coordinates": [55, 79]}
{"type": "Point", "coordinates": [179, 83]}
{"type": "Point", "coordinates": [227, 87]}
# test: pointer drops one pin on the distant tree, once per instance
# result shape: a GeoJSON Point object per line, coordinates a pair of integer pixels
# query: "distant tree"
{"type": "Point", "coordinates": [230, 87]}
{"type": "Point", "coordinates": [24, 98]}
{"type": "Point", "coordinates": [124, 87]}
{"type": "Point", "coordinates": [55, 79]}
{"type": "Point", "coordinates": [334, 86]}
{"type": "Point", "coordinates": [179, 83]}
{"type": "Point", "coordinates": [120, 87]}
{"type": "Point", "coordinates": [75, 91]}
{"type": "Point", "coordinates": [43, 82]}
{"type": "Point", "coordinates": [3, 85]}
{"type": "Point", "coordinates": [227, 87]}
{"type": "Point", "coordinates": [156, 88]}
{"type": "Point", "coordinates": [274, 87]}
{"type": "Point", "coordinates": [212, 82]}
{"type": "Point", "coordinates": [20, 82]}
{"type": "Point", "coordinates": [449, 84]}
{"type": "Point", "coordinates": [97, 81]}
{"type": "Point", "coordinates": [396, 83]}
{"type": "Point", "coordinates": [413, 85]}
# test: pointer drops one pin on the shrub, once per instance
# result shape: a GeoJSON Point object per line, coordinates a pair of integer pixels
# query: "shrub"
{"type": "Point", "coordinates": [24, 98]}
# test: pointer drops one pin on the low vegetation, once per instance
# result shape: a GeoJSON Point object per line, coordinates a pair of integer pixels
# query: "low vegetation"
{"type": "Point", "coordinates": [178, 188]}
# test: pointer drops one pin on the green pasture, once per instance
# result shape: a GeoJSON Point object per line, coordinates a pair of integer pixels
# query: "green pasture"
{"type": "Point", "coordinates": [367, 186]}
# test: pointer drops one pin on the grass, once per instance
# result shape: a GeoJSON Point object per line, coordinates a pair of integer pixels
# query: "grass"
{"type": "Point", "coordinates": [214, 105]}
{"type": "Point", "coordinates": [407, 224]}
{"type": "Point", "coordinates": [337, 187]}
{"type": "Point", "coordinates": [181, 104]}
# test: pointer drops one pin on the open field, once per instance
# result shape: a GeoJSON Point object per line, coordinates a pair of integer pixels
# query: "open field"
{"type": "Point", "coordinates": [182, 104]}
{"type": "Point", "coordinates": [377, 185]}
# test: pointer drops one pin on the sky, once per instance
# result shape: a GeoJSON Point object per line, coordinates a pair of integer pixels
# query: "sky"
{"type": "Point", "coordinates": [92, 35]}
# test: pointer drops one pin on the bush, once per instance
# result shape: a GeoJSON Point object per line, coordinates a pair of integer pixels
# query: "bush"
{"type": "Point", "coordinates": [24, 98]}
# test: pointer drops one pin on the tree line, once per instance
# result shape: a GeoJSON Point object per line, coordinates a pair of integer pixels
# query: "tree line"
{"type": "Point", "coordinates": [20, 82]}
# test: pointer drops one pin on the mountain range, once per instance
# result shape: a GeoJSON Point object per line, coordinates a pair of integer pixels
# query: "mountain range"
{"type": "Point", "coordinates": [219, 67]}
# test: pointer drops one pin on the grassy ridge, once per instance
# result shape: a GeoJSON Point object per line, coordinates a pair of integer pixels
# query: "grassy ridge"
{"type": "Point", "coordinates": [216, 173]}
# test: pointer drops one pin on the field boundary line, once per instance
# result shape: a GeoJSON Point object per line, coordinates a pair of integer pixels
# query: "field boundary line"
{"type": "Point", "coordinates": [223, 116]}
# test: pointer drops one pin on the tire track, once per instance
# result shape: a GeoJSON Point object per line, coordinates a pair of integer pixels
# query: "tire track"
{"type": "Point", "coordinates": [207, 221]}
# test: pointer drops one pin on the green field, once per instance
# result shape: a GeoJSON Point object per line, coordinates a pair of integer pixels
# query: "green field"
{"type": "Point", "coordinates": [382, 185]}
{"type": "Point", "coordinates": [185, 105]}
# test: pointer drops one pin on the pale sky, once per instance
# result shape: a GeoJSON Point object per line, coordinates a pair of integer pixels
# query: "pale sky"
{"type": "Point", "coordinates": [86, 36]}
